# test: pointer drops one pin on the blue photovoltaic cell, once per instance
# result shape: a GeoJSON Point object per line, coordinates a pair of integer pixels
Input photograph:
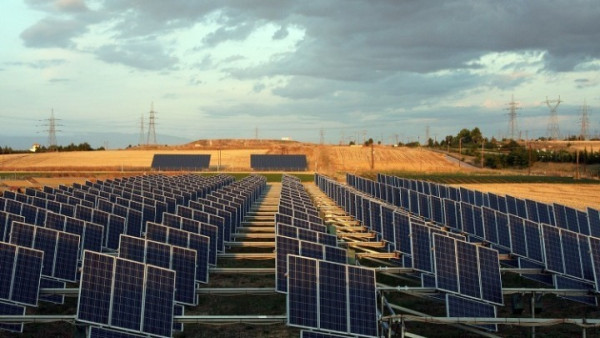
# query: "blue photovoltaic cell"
{"type": "Point", "coordinates": [284, 246]}
{"type": "Point", "coordinates": [450, 214]}
{"type": "Point", "coordinates": [503, 230]}
{"type": "Point", "coordinates": [11, 310]}
{"type": "Point", "coordinates": [437, 215]}
{"type": "Point", "coordinates": [521, 208]}
{"type": "Point", "coordinates": [461, 307]}
{"type": "Point", "coordinates": [543, 213]}
{"type": "Point", "coordinates": [116, 227]}
{"type": "Point", "coordinates": [572, 259]}
{"type": "Point", "coordinates": [335, 254]}
{"type": "Point", "coordinates": [95, 288]}
{"type": "Point", "coordinates": [424, 206]}
{"type": "Point", "coordinates": [586, 258]}
{"type": "Point", "coordinates": [159, 301]}
{"type": "Point", "coordinates": [560, 216]}
{"type": "Point", "coordinates": [183, 261]}
{"type": "Point", "coordinates": [22, 234]}
{"type": "Point", "coordinates": [387, 220]}
{"type": "Point", "coordinates": [553, 249]}
{"type": "Point", "coordinates": [594, 252]}
{"type": "Point", "coordinates": [572, 221]}
{"type": "Point", "coordinates": [584, 224]}
{"type": "Point", "coordinates": [132, 248]}
{"type": "Point", "coordinates": [7, 260]}
{"type": "Point", "coordinates": [532, 210]}
{"type": "Point", "coordinates": [332, 297]}
{"type": "Point", "coordinates": [593, 218]}
{"type": "Point", "coordinates": [421, 248]}
{"type": "Point", "coordinates": [468, 225]}
{"type": "Point", "coordinates": [478, 222]}
{"type": "Point", "coordinates": [127, 295]}
{"type": "Point", "coordinates": [307, 235]}
{"type": "Point", "coordinates": [362, 301]}
{"type": "Point", "coordinates": [312, 250]}
{"type": "Point", "coordinates": [511, 205]}
{"type": "Point", "coordinates": [302, 296]}
{"type": "Point", "coordinates": [533, 240]}
{"type": "Point", "coordinates": [414, 202]}
{"type": "Point", "coordinates": [26, 276]}
{"type": "Point", "coordinates": [489, 271]}
{"type": "Point", "coordinates": [468, 270]}
{"type": "Point", "coordinates": [502, 205]}
{"type": "Point", "coordinates": [427, 280]}
{"type": "Point", "coordinates": [517, 235]}
{"type": "Point", "coordinates": [402, 232]}
{"type": "Point", "coordinates": [489, 224]}
{"type": "Point", "coordinates": [446, 276]}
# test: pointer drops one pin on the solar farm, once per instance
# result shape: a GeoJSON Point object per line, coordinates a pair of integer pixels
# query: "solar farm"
{"type": "Point", "coordinates": [161, 255]}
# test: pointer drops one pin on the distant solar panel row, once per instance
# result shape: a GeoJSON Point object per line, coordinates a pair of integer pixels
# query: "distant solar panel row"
{"type": "Point", "coordinates": [278, 162]}
{"type": "Point", "coordinates": [189, 162]}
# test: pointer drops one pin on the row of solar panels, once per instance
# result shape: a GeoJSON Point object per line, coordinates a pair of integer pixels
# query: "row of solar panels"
{"type": "Point", "coordinates": [57, 247]}
{"type": "Point", "coordinates": [569, 256]}
{"type": "Point", "coordinates": [194, 162]}
{"type": "Point", "coordinates": [323, 292]}
{"type": "Point", "coordinates": [469, 273]}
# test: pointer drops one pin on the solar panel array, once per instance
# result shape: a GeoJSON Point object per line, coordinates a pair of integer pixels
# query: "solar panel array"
{"type": "Point", "coordinates": [187, 162]}
{"type": "Point", "coordinates": [552, 237]}
{"type": "Point", "coordinates": [442, 259]}
{"type": "Point", "coordinates": [278, 162]}
{"type": "Point", "coordinates": [60, 224]}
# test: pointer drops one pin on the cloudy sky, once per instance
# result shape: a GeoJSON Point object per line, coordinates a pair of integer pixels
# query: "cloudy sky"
{"type": "Point", "coordinates": [343, 68]}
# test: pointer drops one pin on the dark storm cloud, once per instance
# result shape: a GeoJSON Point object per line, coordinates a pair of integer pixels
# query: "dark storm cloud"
{"type": "Point", "coordinates": [350, 40]}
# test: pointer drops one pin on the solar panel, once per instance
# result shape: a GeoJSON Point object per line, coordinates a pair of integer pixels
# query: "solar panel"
{"type": "Point", "coordinates": [446, 274]}
{"type": "Point", "coordinates": [517, 235]}
{"type": "Point", "coordinates": [542, 278]}
{"type": "Point", "coordinates": [594, 221]}
{"type": "Point", "coordinates": [583, 222]}
{"type": "Point", "coordinates": [562, 282]}
{"type": "Point", "coordinates": [560, 216]}
{"type": "Point", "coordinates": [572, 221]}
{"type": "Point", "coordinates": [7, 309]}
{"type": "Point", "coordinates": [553, 249]}
{"type": "Point", "coordinates": [586, 258]}
{"type": "Point", "coordinates": [466, 211]}
{"type": "Point", "coordinates": [332, 297]}
{"type": "Point", "coordinates": [491, 281]}
{"type": "Point", "coordinates": [278, 162]}
{"type": "Point", "coordinates": [461, 307]}
{"type": "Point", "coordinates": [571, 254]}
{"type": "Point", "coordinates": [318, 292]}
{"type": "Point", "coordinates": [20, 272]}
{"type": "Point", "coordinates": [61, 249]}
{"type": "Point", "coordinates": [468, 270]}
{"type": "Point", "coordinates": [182, 260]}
{"type": "Point", "coordinates": [450, 214]}
{"type": "Point", "coordinates": [125, 294]}
{"type": "Point", "coordinates": [402, 233]}
{"type": "Point", "coordinates": [302, 291]}
{"type": "Point", "coordinates": [533, 241]}
{"type": "Point", "coordinates": [478, 222]}
{"type": "Point", "coordinates": [502, 226]}
{"type": "Point", "coordinates": [489, 224]}
{"type": "Point", "coordinates": [421, 248]}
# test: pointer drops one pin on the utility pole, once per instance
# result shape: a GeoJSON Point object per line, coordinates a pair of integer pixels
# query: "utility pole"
{"type": "Point", "coordinates": [322, 136]}
{"type": "Point", "coordinates": [482, 152]}
{"type": "Point", "coordinates": [372, 157]}
{"type": "Point", "coordinates": [151, 126]}
{"type": "Point", "coordinates": [553, 130]}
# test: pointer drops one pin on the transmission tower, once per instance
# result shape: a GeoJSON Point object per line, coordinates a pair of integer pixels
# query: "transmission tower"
{"type": "Point", "coordinates": [512, 115]}
{"type": "Point", "coordinates": [553, 131]}
{"type": "Point", "coordinates": [426, 133]}
{"type": "Point", "coordinates": [51, 124]}
{"type": "Point", "coordinates": [322, 136]}
{"type": "Point", "coordinates": [151, 126]}
{"type": "Point", "coordinates": [142, 133]}
{"type": "Point", "coordinates": [585, 122]}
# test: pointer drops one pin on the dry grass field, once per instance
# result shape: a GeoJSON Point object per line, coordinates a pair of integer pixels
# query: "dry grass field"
{"type": "Point", "coordinates": [329, 159]}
